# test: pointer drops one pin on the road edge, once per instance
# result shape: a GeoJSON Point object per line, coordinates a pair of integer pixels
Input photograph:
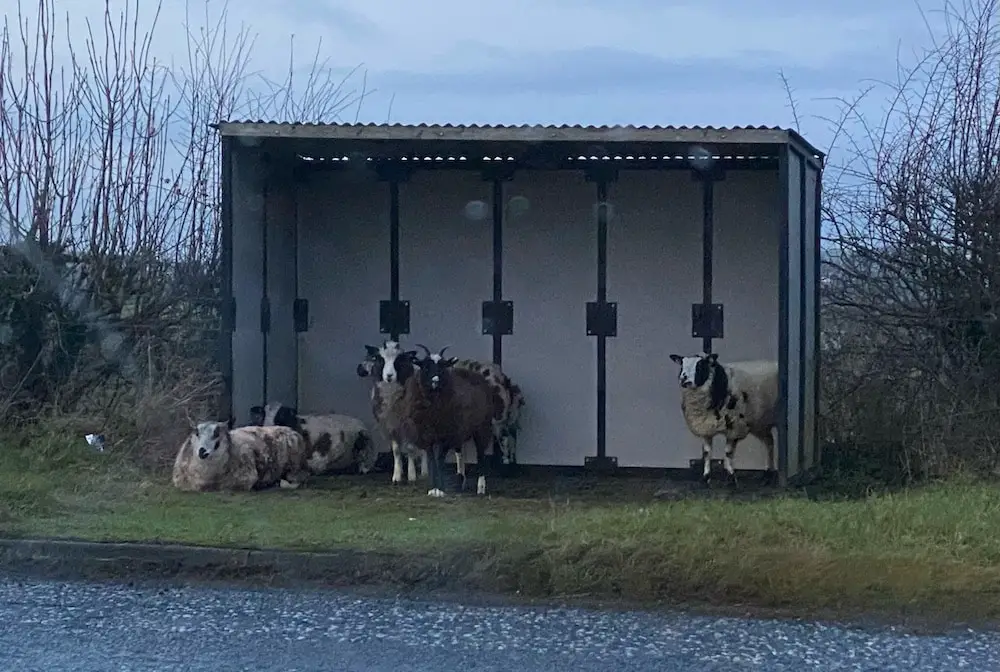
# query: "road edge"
{"type": "Point", "coordinates": [70, 558]}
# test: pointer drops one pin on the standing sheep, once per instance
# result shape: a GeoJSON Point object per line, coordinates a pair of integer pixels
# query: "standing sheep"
{"type": "Point", "coordinates": [507, 424]}
{"type": "Point", "coordinates": [334, 441]}
{"type": "Point", "coordinates": [442, 408]}
{"type": "Point", "coordinates": [216, 457]}
{"type": "Point", "coordinates": [385, 365]}
{"type": "Point", "coordinates": [735, 399]}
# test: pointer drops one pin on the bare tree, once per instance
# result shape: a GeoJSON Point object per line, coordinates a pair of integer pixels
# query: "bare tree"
{"type": "Point", "coordinates": [912, 270]}
{"type": "Point", "coordinates": [109, 174]}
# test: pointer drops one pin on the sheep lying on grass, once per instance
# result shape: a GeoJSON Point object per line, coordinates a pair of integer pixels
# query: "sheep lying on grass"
{"type": "Point", "coordinates": [215, 457]}
{"type": "Point", "coordinates": [334, 442]}
{"type": "Point", "coordinates": [442, 408]}
{"type": "Point", "coordinates": [735, 399]}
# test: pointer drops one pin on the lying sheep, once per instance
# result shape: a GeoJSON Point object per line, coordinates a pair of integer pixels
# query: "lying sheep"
{"type": "Point", "coordinates": [216, 457]}
{"type": "Point", "coordinates": [334, 441]}
{"type": "Point", "coordinates": [735, 399]}
{"type": "Point", "coordinates": [442, 408]}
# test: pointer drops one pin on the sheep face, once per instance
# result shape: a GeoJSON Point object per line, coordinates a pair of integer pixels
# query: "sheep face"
{"type": "Point", "coordinates": [433, 371]}
{"type": "Point", "coordinates": [389, 361]}
{"type": "Point", "coordinates": [210, 439]}
{"type": "Point", "coordinates": [256, 415]}
{"type": "Point", "coordinates": [696, 370]}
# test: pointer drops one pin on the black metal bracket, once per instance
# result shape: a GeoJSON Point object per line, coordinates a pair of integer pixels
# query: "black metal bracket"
{"type": "Point", "coordinates": [600, 465]}
{"type": "Point", "coordinates": [602, 318]}
{"type": "Point", "coordinates": [393, 171]}
{"type": "Point", "coordinates": [499, 171]}
{"type": "Point", "coordinates": [706, 320]}
{"type": "Point", "coordinates": [300, 315]}
{"type": "Point", "coordinates": [394, 317]}
{"type": "Point", "coordinates": [498, 318]}
{"type": "Point", "coordinates": [265, 315]}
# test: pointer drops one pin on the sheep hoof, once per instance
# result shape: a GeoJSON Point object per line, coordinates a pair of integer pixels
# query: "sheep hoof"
{"type": "Point", "coordinates": [435, 492]}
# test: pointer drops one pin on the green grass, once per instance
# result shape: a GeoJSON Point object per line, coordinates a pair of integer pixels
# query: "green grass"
{"type": "Point", "coordinates": [936, 548]}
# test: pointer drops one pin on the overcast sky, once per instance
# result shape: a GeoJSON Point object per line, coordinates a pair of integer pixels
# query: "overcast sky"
{"type": "Point", "coordinates": [695, 62]}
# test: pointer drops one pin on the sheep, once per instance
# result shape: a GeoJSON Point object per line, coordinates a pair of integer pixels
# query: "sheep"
{"type": "Point", "coordinates": [217, 457]}
{"type": "Point", "coordinates": [384, 364]}
{"type": "Point", "coordinates": [334, 441]}
{"type": "Point", "coordinates": [735, 399]}
{"type": "Point", "coordinates": [442, 408]}
{"type": "Point", "coordinates": [507, 424]}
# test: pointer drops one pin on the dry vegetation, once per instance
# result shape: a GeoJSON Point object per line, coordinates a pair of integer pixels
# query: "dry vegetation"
{"type": "Point", "coordinates": [108, 159]}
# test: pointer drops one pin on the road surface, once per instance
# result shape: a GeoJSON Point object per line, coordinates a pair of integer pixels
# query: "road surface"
{"type": "Point", "coordinates": [85, 627]}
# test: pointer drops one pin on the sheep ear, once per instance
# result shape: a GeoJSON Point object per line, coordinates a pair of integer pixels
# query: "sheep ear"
{"type": "Point", "coordinates": [230, 422]}
{"type": "Point", "coordinates": [714, 357]}
{"type": "Point", "coordinates": [676, 359]}
{"type": "Point", "coordinates": [371, 350]}
{"type": "Point", "coordinates": [412, 354]}
{"type": "Point", "coordinates": [450, 361]}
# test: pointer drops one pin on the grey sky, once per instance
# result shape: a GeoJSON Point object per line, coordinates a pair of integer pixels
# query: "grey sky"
{"type": "Point", "coordinates": [583, 61]}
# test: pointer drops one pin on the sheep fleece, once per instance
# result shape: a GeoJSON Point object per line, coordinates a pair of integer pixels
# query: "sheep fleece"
{"type": "Point", "coordinates": [749, 407]}
{"type": "Point", "coordinates": [258, 457]}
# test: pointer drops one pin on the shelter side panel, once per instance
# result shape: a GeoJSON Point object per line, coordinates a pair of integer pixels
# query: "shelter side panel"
{"type": "Point", "coordinates": [811, 273]}
{"type": "Point", "coordinates": [343, 262]}
{"type": "Point", "coordinates": [745, 278]}
{"type": "Point", "coordinates": [654, 273]}
{"type": "Point", "coordinates": [446, 260]}
{"type": "Point", "coordinates": [795, 313]}
{"type": "Point", "coordinates": [550, 273]}
{"type": "Point", "coordinates": [281, 340]}
{"type": "Point", "coordinates": [247, 200]}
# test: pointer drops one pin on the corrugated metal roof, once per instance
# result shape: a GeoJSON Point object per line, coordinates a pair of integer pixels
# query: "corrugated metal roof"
{"type": "Point", "coordinates": [769, 135]}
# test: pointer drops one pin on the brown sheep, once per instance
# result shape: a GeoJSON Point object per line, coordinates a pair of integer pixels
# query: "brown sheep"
{"type": "Point", "coordinates": [442, 408]}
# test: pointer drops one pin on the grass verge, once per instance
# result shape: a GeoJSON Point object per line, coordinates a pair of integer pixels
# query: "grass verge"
{"type": "Point", "coordinates": [929, 550]}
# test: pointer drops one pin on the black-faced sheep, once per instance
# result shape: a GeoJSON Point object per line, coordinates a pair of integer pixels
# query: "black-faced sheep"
{"type": "Point", "coordinates": [507, 424]}
{"type": "Point", "coordinates": [442, 408]}
{"type": "Point", "coordinates": [384, 366]}
{"type": "Point", "coordinates": [735, 399]}
{"type": "Point", "coordinates": [215, 457]}
{"type": "Point", "coordinates": [334, 442]}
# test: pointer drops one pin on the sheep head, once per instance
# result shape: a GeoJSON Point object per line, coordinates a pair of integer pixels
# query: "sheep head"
{"type": "Point", "coordinates": [277, 413]}
{"type": "Point", "coordinates": [696, 370]}
{"type": "Point", "coordinates": [391, 362]}
{"type": "Point", "coordinates": [434, 368]}
{"type": "Point", "coordinates": [211, 438]}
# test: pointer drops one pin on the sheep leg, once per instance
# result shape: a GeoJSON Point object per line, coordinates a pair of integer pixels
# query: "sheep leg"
{"type": "Point", "coordinates": [706, 458]}
{"type": "Point", "coordinates": [483, 440]}
{"type": "Point", "coordinates": [436, 469]}
{"type": "Point", "coordinates": [293, 480]}
{"type": "Point", "coordinates": [424, 465]}
{"type": "Point", "coordinates": [728, 461]}
{"type": "Point", "coordinates": [772, 464]}
{"type": "Point", "coordinates": [411, 466]}
{"type": "Point", "coordinates": [397, 463]}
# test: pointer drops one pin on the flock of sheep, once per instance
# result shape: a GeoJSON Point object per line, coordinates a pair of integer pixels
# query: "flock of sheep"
{"type": "Point", "coordinates": [429, 405]}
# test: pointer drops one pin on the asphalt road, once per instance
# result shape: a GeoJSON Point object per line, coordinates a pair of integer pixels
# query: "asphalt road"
{"type": "Point", "coordinates": [51, 626]}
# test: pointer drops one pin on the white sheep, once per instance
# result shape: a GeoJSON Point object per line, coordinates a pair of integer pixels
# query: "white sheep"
{"type": "Point", "coordinates": [215, 457]}
{"type": "Point", "coordinates": [334, 441]}
{"type": "Point", "coordinates": [735, 399]}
